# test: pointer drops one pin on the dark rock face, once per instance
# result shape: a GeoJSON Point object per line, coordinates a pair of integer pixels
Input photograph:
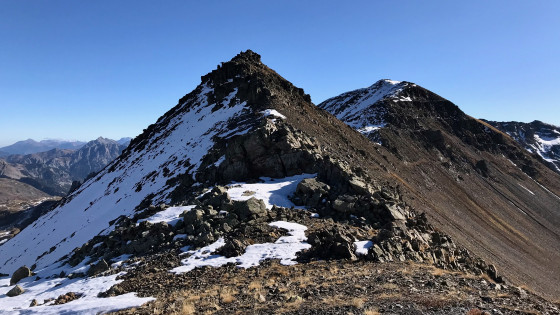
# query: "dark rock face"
{"type": "Point", "coordinates": [20, 273]}
{"type": "Point", "coordinates": [536, 137]}
{"type": "Point", "coordinates": [333, 243]}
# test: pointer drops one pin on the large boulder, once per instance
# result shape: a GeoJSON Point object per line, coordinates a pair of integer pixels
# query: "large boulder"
{"type": "Point", "coordinates": [249, 209]}
{"type": "Point", "coordinates": [333, 243]}
{"type": "Point", "coordinates": [20, 273]}
{"type": "Point", "coordinates": [218, 198]}
{"type": "Point", "coordinates": [15, 291]}
{"type": "Point", "coordinates": [311, 192]}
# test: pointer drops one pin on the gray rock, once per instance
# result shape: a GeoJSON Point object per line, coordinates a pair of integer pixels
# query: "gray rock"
{"type": "Point", "coordinates": [343, 206]}
{"type": "Point", "coordinates": [311, 192]}
{"type": "Point", "coordinates": [395, 212]}
{"type": "Point", "coordinates": [33, 303]}
{"type": "Point", "coordinates": [249, 209]}
{"type": "Point", "coordinates": [20, 273]}
{"type": "Point", "coordinates": [359, 186]}
{"type": "Point", "coordinates": [15, 291]}
{"type": "Point", "coordinates": [101, 266]}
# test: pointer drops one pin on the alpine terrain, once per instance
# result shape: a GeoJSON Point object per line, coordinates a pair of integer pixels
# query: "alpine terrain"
{"type": "Point", "coordinates": [54, 171]}
{"type": "Point", "coordinates": [536, 137]}
{"type": "Point", "coordinates": [246, 197]}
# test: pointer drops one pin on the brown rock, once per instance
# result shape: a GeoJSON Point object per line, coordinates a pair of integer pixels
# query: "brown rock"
{"type": "Point", "coordinates": [20, 273]}
{"type": "Point", "coordinates": [15, 291]}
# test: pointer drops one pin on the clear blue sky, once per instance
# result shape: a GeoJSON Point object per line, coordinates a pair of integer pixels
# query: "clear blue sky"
{"type": "Point", "coordinates": [82, 69]}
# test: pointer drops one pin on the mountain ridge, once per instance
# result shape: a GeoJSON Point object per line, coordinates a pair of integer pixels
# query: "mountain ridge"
{"type": "Point", "coordinates": [54, 171]}
{"type": "Point", "coordinates": [245, 168]}
{"type": "Point", "coordinates": [484, 181]}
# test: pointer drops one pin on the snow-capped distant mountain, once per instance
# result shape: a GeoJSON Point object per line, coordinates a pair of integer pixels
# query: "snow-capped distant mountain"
{"type": "Point", "coordinates": [357, 109]}
{"type": "Point", "coordinates": [537, 137]}
{"type": "Point", "coordinates": [30, 146]}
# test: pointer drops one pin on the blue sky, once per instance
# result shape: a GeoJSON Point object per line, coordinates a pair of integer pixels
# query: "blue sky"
{"type": "Point", "coordinates": [83, 69]}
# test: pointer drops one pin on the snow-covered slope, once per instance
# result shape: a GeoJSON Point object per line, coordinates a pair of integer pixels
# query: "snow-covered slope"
{"type": "Point", "coordinates": [357, 108]}
{"type": "Point", "coordinates": [536, 137]}
{"type": "Point", "coordinates": [176, 145]}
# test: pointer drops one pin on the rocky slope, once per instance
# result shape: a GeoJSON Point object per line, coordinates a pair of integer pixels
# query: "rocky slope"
{"type": "Point", "coordinates": [244, 169]}
{"type": "Point", "coordinates": [54, 171]}
{"type": "Point", "coordinates": [474, 182]}
{"type": "Point", "coordinates": [536, 137]}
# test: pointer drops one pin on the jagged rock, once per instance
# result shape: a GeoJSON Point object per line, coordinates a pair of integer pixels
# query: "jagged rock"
{"type": "Point", "coordinates": [343, 206]}
{"type": "Point", "coordinates": [233, 248]}
{"type": "Point", "coordinates": [395, 211]}
{"type": "Point", "coordinates": [15, 291]}
{"type": "Point", "coordinates": [217, 198]}
{"type": "Point", "coordinates": [195, 215]}
{"type": "Point", "coordinates": [311, 192]}
{"type": "Point", "coordinates": [98, 268]}
{"type": "Point", "coordinates": [333, 243]}
{"type": "Point", "coordinates": [34, 302]}
{"type": "Point", "coordinates": [20, 273]}
{"type": "Point", "coordinates": [359, 186]}
{"type": "Point", "coordinates": [250, 209]}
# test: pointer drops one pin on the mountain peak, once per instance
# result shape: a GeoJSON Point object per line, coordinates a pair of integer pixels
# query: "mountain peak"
{"type": "Point", "coordinates": [248, 56]}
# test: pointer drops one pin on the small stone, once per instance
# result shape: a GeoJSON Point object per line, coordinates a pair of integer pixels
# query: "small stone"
{"type": "Point", "coordinates": [15, 291]}
{"type": "Point", "coordinates": [33, 303]}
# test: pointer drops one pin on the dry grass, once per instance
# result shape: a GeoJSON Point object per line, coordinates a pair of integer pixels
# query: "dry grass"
{"type": "Point", "coordinates": [227, 295]}
{"type": "Point", "coordinates": [357, 302]}
{"type": "Point", "coordinates": [487, 278]}
{"type": "Point", "coordinates": [371, 311]}
{"type": "Point", "coordinates": [188, 309]}
{"type": "Point", "coordinates": [387, 295]}
{"type": "Point", "coordinates": [254, 286]}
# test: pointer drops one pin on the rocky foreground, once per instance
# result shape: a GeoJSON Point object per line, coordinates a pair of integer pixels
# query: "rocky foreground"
{"type": "Point", "coordinates": [341, 287]}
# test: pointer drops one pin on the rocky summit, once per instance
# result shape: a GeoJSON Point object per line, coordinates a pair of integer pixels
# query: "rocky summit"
{"type": "Point", "coordinates": [246, 197]}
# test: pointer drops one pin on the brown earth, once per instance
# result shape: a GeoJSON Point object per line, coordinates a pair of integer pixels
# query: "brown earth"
{"type": "Point", "coordinates": [335, 287]}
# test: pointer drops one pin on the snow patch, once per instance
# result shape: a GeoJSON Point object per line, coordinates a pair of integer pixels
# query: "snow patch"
{"type": "Point", "coordinates": [527, 189]}
{"type": "Point", "coordinates": [272, 191]}
{"type": "Point", "coordinates": [285, 249]}
{"type": "Point", "coordinates": [88, 303]}
{"type": "Point", "coordinates": [362, 247]}
{"type": "Point", "coordinates": [169, 215]}
{"type": "Point", "coordinates": [273, 113]}
{"type": "Point", "coordinates": [370, 129]}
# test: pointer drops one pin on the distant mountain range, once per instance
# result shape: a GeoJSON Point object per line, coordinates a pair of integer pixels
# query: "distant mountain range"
{"type": "Point", "coordinates": [54, 171]}
{"type": "Point", "coordinates": [30, 146]}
